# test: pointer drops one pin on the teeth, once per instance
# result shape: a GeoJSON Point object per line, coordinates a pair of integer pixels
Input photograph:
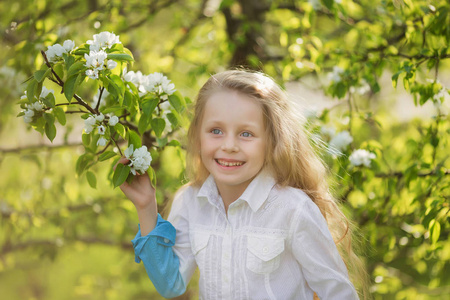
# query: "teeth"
{"type": "Point", "coordinates": [229, 164]}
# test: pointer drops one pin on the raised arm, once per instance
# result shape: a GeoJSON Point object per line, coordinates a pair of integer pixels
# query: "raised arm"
{"type": "Point", "coordinates": [142, 194]}
{"type": "Point", "coordinates": [156, 237]}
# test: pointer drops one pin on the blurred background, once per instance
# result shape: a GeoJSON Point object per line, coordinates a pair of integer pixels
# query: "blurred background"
{"type": "Point", "coordinates": [370, 75]}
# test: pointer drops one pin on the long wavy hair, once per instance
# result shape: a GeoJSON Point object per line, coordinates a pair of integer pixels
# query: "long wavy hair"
{"type": "Point", "coordinates": [289, 156]}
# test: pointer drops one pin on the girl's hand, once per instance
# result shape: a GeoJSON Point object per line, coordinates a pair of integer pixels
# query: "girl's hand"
{"type": "Point", "coordinates": [140, 190]}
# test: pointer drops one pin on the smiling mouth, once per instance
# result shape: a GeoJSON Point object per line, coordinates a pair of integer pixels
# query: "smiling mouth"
{"type": "Point", "coordinates": [229, 163]}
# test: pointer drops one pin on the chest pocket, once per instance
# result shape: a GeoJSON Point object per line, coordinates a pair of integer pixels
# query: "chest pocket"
{"type": "Point", "coordinates": [199, 241]}
{"type": "Point", "coordinates": [264, 253]}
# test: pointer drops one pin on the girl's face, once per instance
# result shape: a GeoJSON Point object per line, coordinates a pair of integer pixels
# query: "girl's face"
{"type": "Point", "coordinates": [232, 139]}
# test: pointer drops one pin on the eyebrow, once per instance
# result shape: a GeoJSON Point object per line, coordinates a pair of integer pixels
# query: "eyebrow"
{"type": "Point", "coordinates": [241, 125]}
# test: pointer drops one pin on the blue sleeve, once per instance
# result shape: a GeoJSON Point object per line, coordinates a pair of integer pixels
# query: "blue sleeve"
{"type": "Point", "coordinates": [160, 262]}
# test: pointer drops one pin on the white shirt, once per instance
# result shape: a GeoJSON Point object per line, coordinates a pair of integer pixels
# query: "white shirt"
{"type": "Point", "coordinates": [273, 244]}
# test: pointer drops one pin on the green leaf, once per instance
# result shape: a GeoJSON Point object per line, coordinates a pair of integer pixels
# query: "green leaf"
{"type": "Point", "coordinates": [328, 3]}
{"type": "Point", "coordinates": [158, 125]}
{"type": "Point", "coordinates": [76, 68]}
{"type": "Point", "coordinates": [120, 57]}
{"type": "Point", "coordinates": [92, 180]}
{"type": "Point", "coordinates": [82, 50]}
{"type": "Point", "coordinates": [120, 174]}
{"type": "Point", "coordinates": [152, 175]}
{"type": "Point", "coordinates": [134, 139]}
{"type": "Point", "coordinates": [50, 129]}
{"type": "Point", "coordinates": [118, 84]}
{"type": "Point", "coordinates": [60, 115]}
{"type": "Point", "coordinates": [70, 86]}
{"type": "Point", "coordinates": [161, 142]}
{"type": "Point", "coordinates": [174, 143]}
{"type": "Point", "coordinates": [69, 60]}
{"type": "Point", "coordinates": [41, 75]}
{"type": "Point", "coordinates": [143, 123]}
{"type": "Point", "coordinates": [120, 129]}
{"type": "Point", "coordinates": [148, 106]}
{"type": "Point", "coordinates": [82, 162]}
{"type": "Point", "coordinates": [111, 109]}
{"type": "Point", "coordinates": [49, 101]}
{"type": "Point", "coordinates": [86, 138]}
{"type": "Point", "coordinates": [59, 70]}
{"type": "Point", "coordinates": [172, 119]}
{"type": "Point", "coordinates": [341, 90]}
{"type": "Point", "coordinates": [435, 231]}
{"type": "Point", "coordinates": [106, 155]}
{"type": "Point", "coordinates": [177, 101]}
{"type": "Point", "coordinates": [31, 90]}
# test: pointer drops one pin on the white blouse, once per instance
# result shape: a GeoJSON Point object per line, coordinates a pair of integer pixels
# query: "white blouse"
{"type": "Point", "coordinates": [273, 244]}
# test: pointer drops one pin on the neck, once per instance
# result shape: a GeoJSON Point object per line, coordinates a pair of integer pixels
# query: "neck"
{"type": "Point", "coordinates": [230, 194]}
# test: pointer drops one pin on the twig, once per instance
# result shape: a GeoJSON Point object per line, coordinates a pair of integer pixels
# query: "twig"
{"type": "Point", "coordinates": [17, 150]}
{"type": "Point", "coordinates": [61, 84]}
{"type": "Point", "coordinates": [99, 98]}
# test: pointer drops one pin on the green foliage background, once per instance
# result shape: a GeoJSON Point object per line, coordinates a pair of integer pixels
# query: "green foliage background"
{"type": "Point", "coordinates": [61, 239]}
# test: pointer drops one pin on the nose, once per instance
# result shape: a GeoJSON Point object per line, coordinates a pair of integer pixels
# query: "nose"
{"type": "Point", "coordinates": [229, 144]}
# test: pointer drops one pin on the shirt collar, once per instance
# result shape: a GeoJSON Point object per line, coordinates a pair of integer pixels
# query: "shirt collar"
{"type": "Point", "coordinates": [255, 194]}
{"type": "Point", "coordinates": [258, 190]}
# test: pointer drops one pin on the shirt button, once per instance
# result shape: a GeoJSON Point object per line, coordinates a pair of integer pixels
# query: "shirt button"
{"type": "Point", "coordinates": [166, 241]}
{"type": "Point", "coordinates": [265, 249]}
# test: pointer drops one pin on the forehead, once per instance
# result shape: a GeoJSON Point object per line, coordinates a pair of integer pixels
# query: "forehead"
{"type": "Point", "coordinates": [232, 106]}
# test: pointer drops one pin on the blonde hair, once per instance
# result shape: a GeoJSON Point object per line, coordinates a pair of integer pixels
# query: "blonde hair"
{"type": "Point", "coordinates": [289, 157]}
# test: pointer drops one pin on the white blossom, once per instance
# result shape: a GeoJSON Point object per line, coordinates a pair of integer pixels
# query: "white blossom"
{"type": "Point", "coordinates": [341, 140]}
{"type": "Point", "coordinates": [101, 129]}
{"type": "Point", "coordinates": [95, 59]}
{"type": "Point", "coordinates": [140, 159]}
{"type": "Point", "coordinates": [361, 157]}
{"type": "Point", "coordinates": [137, 78]}
{"type": "Point", "coordinates": [28, 117]}
{"type": "Point", "coordinates": [93, 74]}
{"type": "Point", "coordinates": [335, 75]}
{"type": "Point", "coordinates": [31, 110]}
{"type": "Point", "coordinates": [102, 141]}
{"type": "Point", "coordinates": [45, 92]}
{"type": "Point", "coordinates": [111, 64]}
{"type": "Point", "coordinates": [440, 94]}
{"type": "Point", "coordinates": [165, 105]}
{"type": "Point", "coordinates": [328, 131]}
{"type": "Point", "coordinates": [89, 124]}
{"type": "Point", "coordinates": [100, 117]}
{"type": "Point", "coordinates": [37, 106]}
{"type": "Point", "coordinates": [315, 4]}
{"type": "Point", "coordinates": [103, 40]}
{"type": "Point", "coordinates": [361, 89]}
{"type": "Point", "coordinates": [24, 96]}
{"type": "Point", "coordinates": [129, 151]}
{"type": "Point", "coordinates": [159, 84]}
{"type": "Point", "coordinates": [113, 120]}
{"type": "Point", "coordinates": [55, 52]}
{"type": "Point", "coordinates": [68, 45]}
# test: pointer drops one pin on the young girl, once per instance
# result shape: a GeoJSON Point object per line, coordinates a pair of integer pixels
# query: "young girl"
{"type": "Point", "coordinates": [256, 216]}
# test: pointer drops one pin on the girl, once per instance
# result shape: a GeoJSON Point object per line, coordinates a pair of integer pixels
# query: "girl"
{"type": "Point", "coordinates": [257, 217]}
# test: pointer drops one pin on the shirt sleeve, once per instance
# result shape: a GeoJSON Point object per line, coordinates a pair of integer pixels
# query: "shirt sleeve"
{"type": "Point", "coordinates": [318, 256]}
{"type": "Point", "coordinates": [179, 217]}
{"type": "Point", "coordinates": [160, 261]}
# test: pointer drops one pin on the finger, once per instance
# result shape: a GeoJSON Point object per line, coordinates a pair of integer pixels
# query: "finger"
{"type": "Point", "coordinates": [122, 160]}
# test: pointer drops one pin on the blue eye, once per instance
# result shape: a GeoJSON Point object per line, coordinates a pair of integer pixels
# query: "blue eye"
{"type": "Point", "coordinates": [216, 131]}
{"type": "Point", "coordinates": [246, 134]}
